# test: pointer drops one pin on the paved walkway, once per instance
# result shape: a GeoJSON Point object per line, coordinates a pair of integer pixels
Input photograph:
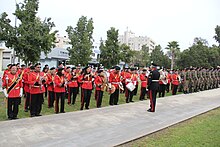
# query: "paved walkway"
{"type": "Point", "coordinates": [107, 126]}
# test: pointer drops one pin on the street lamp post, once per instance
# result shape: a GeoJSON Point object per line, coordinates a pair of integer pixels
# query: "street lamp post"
{"type": "Point", "coordinates": [13, 53]}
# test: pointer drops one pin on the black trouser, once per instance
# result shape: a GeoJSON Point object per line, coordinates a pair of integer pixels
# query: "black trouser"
{"type": "Point", "coordinates": [13, 105]}
{"type": "Point", "coordinates": [27, 101]}
{"type": "Point", "coordinates": [51, 99]}
{"type": "Point", "coordinates": [135, 90]}
{"type": "Point", "coordinates": [143, 93]}
{"type": "Point", "coordinates": [129, 95]}
{"type": "Point", "coordinates": [168, 87]}
{"type": "Point", "coordinates": [45, 86]}
{"type": "Point", "coordinates": [114, 97]}
{"type": "Point", "coordinates": [153, 95]}
{"type": "Point", "coordinates": [99, 95]}
{"type": "Point", "coordinates": [162, 90]}
{"type": "Point", "coordinates": [36, 103]}
{"type": "Point", "coordinates": [174, 89]}
{"type": "Point", "coordinates": [61, 96]}
{"type": "Point", "coordinates": [72, 91]}
{"type": "Point", "coordinates": [86, 98]}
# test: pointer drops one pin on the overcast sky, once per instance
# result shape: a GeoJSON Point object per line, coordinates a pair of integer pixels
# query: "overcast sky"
{"type": "Point", "coordinates": [162, 20]}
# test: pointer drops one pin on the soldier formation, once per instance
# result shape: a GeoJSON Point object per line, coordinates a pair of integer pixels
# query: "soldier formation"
{"type": "Point", "coordinates": [58, 83]}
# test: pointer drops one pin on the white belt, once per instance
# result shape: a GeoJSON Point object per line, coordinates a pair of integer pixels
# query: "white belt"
{"type": "Point", "coordinates": [155, 80]}
{"type": "Point", "coordinates": [115, 82]}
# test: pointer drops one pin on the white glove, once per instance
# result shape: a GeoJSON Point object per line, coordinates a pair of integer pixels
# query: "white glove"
{"type": "Point", "coordinates": [110, 85]}
{"type": "Point", "coordinates": [5, 93]}
{"type": "Point", "coordinates": [128, 80]}
{"type": "Point", "coordinates": [21, 92]}
{"type": "Point", "coordinates": [135, 82]}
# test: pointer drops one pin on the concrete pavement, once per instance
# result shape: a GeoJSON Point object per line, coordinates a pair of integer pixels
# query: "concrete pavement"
{"type": "Point", "coordinates": [108, 126]}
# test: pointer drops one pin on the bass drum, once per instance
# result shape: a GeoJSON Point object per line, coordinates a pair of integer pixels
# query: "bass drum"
{"type": "Point", "coordinates": [130, 86]}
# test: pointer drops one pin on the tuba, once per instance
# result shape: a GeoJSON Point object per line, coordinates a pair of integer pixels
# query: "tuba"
{"type": "Point", "coordinates": [104, 81]}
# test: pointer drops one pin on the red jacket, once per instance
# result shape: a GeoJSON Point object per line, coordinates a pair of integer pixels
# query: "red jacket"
{"type": "Point", "coordinates": [15, 92]}
{"type": "Point", "coordinates": [132, 77]}
{"type": "Point", "coordinates": [98, 82]}
{"type": "Point", "coordinates": [50, 82]}
{"type": "Point", "coordinates": [175, 80]}
{"type": "Point", "coordinates": [25, 79]}
{"type": "Point", "coordinates": [114, 79]}
{"type": "Point", "coordinates": [86, 82]}
{"type": "Point", "coordinates": [57, 81]}
{"type": "Point", "coordinates": [72, 80]}
{"type": "Point", "coordinates": [144, 80]}
{"type": "Point", "coordinates": [168, 78]}
{"type": "Point", "coordinates": [33, 81]}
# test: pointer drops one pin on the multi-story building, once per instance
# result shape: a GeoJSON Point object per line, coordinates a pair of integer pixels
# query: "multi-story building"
{"type": "Point", "coordinates": [62, 41]}
{"type": "Point", "coordinates": [135, 42]}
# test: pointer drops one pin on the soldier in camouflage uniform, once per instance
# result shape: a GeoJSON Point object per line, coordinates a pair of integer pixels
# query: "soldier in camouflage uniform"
{"type": "Point", "coordinates": [180, 88]}
{"type": "Point", "coordinates": [186, 81]}
{"type": "Point", "coordinates": [191, 81]}
{"type": "Point", "coordinates": [195, 80]}
{"type": "Point", "coordinates": [200, 79]}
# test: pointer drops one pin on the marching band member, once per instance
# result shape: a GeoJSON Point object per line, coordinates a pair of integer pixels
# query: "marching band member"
{"type": "Point", "coordinates": [162, 83]}
{"type": "Point", "coordinates": [12, 88]}
{"type": "Point", "coordinates": [130, 78]}
{"type": "Point", "coordinates": [136, 86]}
{"type": "Point", "coordinates": [143, 78]}
{"type": "Point", "coordinates": [87, 86]}
{"type": "Point", "coordinates": [175, 82]}
{"type": "Point", "coordinates": [6, 71]}
{"type": "Point", "coordinates": [72, 86]}
{"type": "Point", "coordinates": [36, 91]}
{"type": "Point", "coordinates": [99, 84]}
{"type": "Point", "coordinates": [26, 85]}
{"type": "Point", "coordinates": [45, 71]}
{"type": "Point", "coordinates": [59, 90]}
{"type": "Point", "coordinates": [114, 80]}
{"type": "Point", "coordinates": [50, 87]}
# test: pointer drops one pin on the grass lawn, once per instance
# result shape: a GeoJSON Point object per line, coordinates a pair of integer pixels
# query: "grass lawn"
{"type": "Point", "coordinates": [68, 108]}
{"type": "Point", "coordinates": [200, 131]}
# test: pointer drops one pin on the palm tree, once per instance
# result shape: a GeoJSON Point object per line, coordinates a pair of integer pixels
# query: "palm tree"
{"type": "Point", "coordinates": [173, 50]}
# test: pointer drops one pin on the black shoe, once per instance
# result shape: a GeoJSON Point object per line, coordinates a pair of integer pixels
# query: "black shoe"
{"type": "Point", "coordinates": [87, 108]}
{"type": "Point", "coordinates": [63, 112]}
{"type": "Point", "coordinates": [10, 118]}
{"type": "Point", "coordinates": [32, 115]}
{"type": "Point", "coordinates": [132, 101]}
{"type": "Point", "coordinates": [38, 115]}
{"type": "Point", "coordinates": [15, 117]}
{"type": "Point", "coordinates": [81, 108]}
{"type": "Point", "coordinates": [149, 110]}
{"type": "Point", "coordinates": [127, 101]}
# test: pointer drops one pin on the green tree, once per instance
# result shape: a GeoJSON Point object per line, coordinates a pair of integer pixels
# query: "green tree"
{"type": "Point", "coordinates": [110, 51]}
{"type": "Point", "coordinates": [137, 58]}
{"type": "Point", "coordinates": [32, 36]}
{"type": "Point", "coordinates": [197, 55]}
{"type": "Point", "coordinates": [173, 51]}
{"type": "Point", "coordinates": [159, 58]}
{"type": "Point", "coordinates": [217, 34]}
{"type": "Point", "coordinates": [126, 53]}
{"type": "Point", "coordinates": [81, 40]}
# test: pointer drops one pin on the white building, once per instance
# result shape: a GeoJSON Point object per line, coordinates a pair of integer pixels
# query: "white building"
{"type": "Point", "coordinates": [135, 42]}
{"type": "Point", "coordinates": [62, 41]}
